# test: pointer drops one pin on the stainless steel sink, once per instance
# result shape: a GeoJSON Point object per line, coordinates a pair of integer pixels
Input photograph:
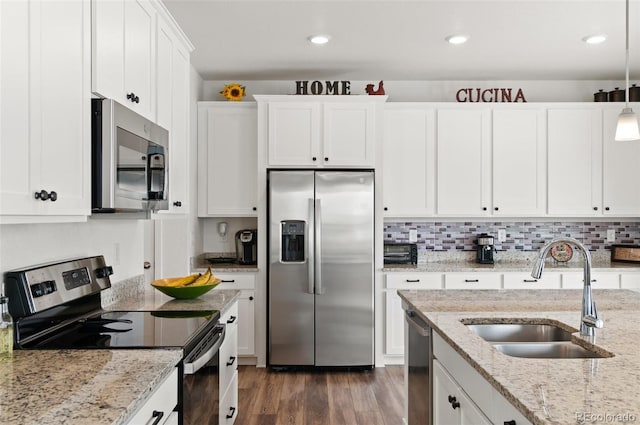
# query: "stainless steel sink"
{"type": "Point", "coordinates": [548, 350]}
{"type": "Point", "coordinates": [519, 332]}
{"type": "Point", "coordinates": [533, 340]}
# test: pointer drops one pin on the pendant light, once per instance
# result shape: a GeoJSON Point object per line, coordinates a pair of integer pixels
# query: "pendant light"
{"type": "Point", "coordinates": [627, 129]}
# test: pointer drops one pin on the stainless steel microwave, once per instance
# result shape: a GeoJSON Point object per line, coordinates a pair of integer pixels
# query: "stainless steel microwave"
{"type": "Point", "coordinates": [129, 169]}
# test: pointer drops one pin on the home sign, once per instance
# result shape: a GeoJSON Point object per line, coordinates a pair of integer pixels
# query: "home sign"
{"type": "Point", "coordinates": [326, 87]}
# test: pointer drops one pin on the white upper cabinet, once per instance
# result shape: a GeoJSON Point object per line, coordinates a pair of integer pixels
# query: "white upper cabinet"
{"type": "Point", "coordinates": [574, 161]}
{"type": "Point", "coordinates": [172, 110]}
{"type": "Point", "coordinates": [621, 162]}
{"type": "Point", "coordinates": [463, 162]}
{"type": "Point", "coordinates": [45, 111]}
{"type": "Point", "coordinates": [123, 53]}
{"type": "Point", "coordinates": [408, 163]}
{"type": "Point", "coordinates": [519, 161]}
{"type": "Point", "coordinates": [227, 159]}
{"type": "Point", "coordinates": [321, 131]}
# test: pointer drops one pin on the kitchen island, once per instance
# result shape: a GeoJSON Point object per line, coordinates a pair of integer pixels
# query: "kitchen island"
{"type": "Point", "coordinates": [546, 391]}
{"type": "Point", "coordinates": [97, 387]}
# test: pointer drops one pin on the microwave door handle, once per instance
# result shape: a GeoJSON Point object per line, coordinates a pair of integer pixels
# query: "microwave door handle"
{"type": "Point", "coordinates": [194, 366]}
{"type": "Point", "coordinates": [310, 247]}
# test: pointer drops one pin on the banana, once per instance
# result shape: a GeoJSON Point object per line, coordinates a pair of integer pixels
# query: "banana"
{"type": "Point", "coordinates": [213, 279]}
{"type": "Point", "coordinates": [183, 281]}
{"type": "Point", "coordinates": [203, 279]}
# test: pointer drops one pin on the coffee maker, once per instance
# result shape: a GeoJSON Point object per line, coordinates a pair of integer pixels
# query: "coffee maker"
{"type": "Point", "coordinates": [485, 249]}
{"type": "Point", "coordinates": [247, 246]}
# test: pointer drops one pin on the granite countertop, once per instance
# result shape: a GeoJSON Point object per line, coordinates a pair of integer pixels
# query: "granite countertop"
{"type": "Point", "coordinates": [35, 386]}
{"type": "Point", "coordinates": [80, 387]}
{"type": "Point", "coordinates": [566, 387]}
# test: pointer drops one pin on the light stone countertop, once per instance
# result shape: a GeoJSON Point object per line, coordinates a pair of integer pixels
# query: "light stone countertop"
{"type": "Point", "coordinates": [510, 266]}
{"type": "Point", "coordinates": [607, 386]}
{"type": "Point", "coordinates": [81, 387]}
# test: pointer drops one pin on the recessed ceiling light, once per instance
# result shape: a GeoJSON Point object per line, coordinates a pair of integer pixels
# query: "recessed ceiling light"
{"type": "Point", "coordinates": [319, 39]}
{"type": "Point", "coordinates": [594, 39]}
{"type": "Point", "coordinates": [457, 39]}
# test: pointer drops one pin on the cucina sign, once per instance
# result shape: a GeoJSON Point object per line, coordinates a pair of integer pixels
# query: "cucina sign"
{"type": "Point", "coordinates": [494, 95]}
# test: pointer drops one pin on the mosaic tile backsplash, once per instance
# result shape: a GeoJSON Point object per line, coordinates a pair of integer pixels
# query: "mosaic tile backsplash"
{"type": "Point", "coordinates": [521, 236]}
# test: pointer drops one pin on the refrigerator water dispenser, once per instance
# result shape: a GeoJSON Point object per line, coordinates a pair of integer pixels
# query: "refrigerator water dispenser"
{"type": "Point", "coordinates": [292, 241]}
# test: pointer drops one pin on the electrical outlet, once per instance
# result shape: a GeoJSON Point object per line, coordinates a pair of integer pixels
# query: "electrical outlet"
{"type": "Point", "coordinates": [502, 235]}
{"type": "Point", "coordinates": [611, 235]}
{"type": "Point", "coordinates": [413, 235]}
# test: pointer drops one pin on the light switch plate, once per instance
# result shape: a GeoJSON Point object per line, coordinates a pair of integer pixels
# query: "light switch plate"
{"type": "Point", "coordinates": [413, 235]}
{"type": "Point", "coordinates": [611, 235]}
{"type": "Point", "coordinates": [502, 235]}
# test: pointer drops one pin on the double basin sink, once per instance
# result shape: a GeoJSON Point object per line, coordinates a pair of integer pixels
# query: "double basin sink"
{"type": "Point", "coordinates": [533, 340]}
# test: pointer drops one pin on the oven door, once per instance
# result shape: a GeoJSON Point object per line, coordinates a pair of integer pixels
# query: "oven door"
{"type": "Point", "coordinates": [201, 381]}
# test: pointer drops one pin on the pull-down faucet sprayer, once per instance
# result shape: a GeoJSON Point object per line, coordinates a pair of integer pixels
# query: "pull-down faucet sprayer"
{"type": "Point", "coordinates": [589, 320]}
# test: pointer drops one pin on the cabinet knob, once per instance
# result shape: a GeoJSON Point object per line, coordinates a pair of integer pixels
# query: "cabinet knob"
{"type": "Point", "coordinates": [314, 158]}
{"type": "Point", "coordinates": [386, 209]}
{"type": "Point", "coordinates": [177, 204]}
{"type": "Point", "coordinates": [511, 422]}
{"type": "Point", "coordinates": [326, 158]}
{"type": "Point", "coordinates": [133, 98]}
{"type": "Point", "coordinates": [495, 208]}
{"type": "Point", "coordinates": [606, 208]}
{"type": "Point", "coordinates": [484, 208]}
{"type": "Point", "coordinates": [43, 195]}
{"type": "Point", "coordinates": [255, 208]}
{"type": "Point", "coordinates": [454, 402]}
{"type": "Point", "coordinates": [250, 298]}
{"type": "Point", "coordinates": [595, 208]}
{"type": "Point", "coordinates": [53, 196]}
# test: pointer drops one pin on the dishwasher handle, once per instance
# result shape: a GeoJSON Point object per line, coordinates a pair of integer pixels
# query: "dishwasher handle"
{"type": "Point", "coordinates": [417, 323]}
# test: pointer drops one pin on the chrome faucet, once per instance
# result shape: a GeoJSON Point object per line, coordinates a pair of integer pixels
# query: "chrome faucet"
{"type": "Point", "coordinates": [589, 320]}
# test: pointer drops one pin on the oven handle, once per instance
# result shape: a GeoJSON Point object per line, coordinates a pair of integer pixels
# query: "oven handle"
{"type": "Point", "coordinates": [194, 366]}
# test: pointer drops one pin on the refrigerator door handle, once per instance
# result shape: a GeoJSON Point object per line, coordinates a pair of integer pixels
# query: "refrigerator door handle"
{"type": "Point", "coordinates": [318, 248]}
{"type": "Point", "coordinates": [310, 247]}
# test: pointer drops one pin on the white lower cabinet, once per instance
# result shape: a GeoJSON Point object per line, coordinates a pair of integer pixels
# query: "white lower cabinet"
{"type": "Point", "coordinates": [480, 280]}
{"type": "Point", "coordinates": [229, 367]}
{"type": "Point", "coordinates": [476, 401]}
{"type": "Point", "coordinates": [630, 281]}
{"type": "Point", "coordinates": [517, 280]}
{"type": "Point", "coordinates": [160, 404]}
{"type": "Point", "coordinates": [599, 280]}
{"type": "Point", "coordinates": [245, 282]}
{"type": "Point", "coordinates": [394, 315]}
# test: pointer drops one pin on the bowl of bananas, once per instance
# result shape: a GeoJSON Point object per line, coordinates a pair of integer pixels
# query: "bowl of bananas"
{"type": "Point", "coordinates": [187, 287]}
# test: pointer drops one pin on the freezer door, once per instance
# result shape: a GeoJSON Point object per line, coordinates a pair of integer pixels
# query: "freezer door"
{"type": "Point", "coordinates": [291, 298]}
{"type": "Point", "coordinates": [344, 268]}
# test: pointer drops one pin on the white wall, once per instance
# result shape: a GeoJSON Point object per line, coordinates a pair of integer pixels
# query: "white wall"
{"type": "Point", "coordinates": [24, 245]}
{"type": "Point", "coordinates": [437, 91]}
{"type": "Point", "coordinates": [211, 240]}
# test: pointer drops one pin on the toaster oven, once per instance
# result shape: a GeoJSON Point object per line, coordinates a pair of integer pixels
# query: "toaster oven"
{"type": "Point", "coordinates": [400, 253]}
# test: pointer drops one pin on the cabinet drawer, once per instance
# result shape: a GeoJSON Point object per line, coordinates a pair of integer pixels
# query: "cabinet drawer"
{"type": "Point", "coordinates": [236, 280]}
{"type": "Point", "coordinates": [525, 281]}
{"type": "Point", "coordinates": [505, 413]}
{"type": "Point", "coordinates": [630, 281]}
{"type": "Point", "coordinates": [164, 400]}
{"type": "Point", "coordinates": [473, 281]}
{"type": "Point", "coordinates": [229, 403]}
{"type": "Point", "coordinates": [414, 280]}
{"type": "Point", "coordinates": [228, 357]}
{"type": "Point", "coordinates": [573, 280]}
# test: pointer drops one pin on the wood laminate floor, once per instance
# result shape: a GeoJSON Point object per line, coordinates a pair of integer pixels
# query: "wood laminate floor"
{"type": "Point", "coordinates": [269, 397]}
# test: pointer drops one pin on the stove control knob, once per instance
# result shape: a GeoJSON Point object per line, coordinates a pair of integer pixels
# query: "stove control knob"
{"type": "Point", "coordinates": [37, 290]}
{"type": "Point", "coordinates": [102, 272]}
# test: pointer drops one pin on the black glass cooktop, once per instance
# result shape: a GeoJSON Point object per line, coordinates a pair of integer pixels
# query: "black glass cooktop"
{"type": "Point", "coordinates": [131, 329]}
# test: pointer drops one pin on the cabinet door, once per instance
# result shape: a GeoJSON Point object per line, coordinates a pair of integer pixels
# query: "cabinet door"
{"type": "Point", "coordinates": [227, 159]}
{"type": "Point", "coordinates": [294, 133]}
{"type": "Point", "coordinates": [164, 79]}
{"type": "Point", "coordinates": [445, 390]}
{"type": "Point", "coordinates": [408, 163]}
{"type": "Point", "coordinates": [621, 196]}
{"type": "Point", "coordinates": [45, 131]}
{"type": "Point", "coordinates": [470, 414]}
{"type": "Point", "coordinates": [349, 134]}
{"type": "Point", "coordinates": [246, 326]}
{"type": "Point", "coordinates": [394, 324]}
{"type": "Point", "coordinates": [574, 162]}
{"type": "Point", "coordinates": [139, 52]}
{"type": "Point", "coordinates": [463, 175]}
{"type": "Point", "coordinates": [107, 66]}
{"type": "Point", "coordinates": [518, 162]}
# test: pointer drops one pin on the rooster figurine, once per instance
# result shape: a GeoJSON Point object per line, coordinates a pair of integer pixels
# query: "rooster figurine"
{"type": "Point", "coordinates": [379, 91]}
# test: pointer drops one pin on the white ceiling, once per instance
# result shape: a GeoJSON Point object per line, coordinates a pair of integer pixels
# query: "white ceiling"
{"type": "Point", "coordinates": [404, 40]}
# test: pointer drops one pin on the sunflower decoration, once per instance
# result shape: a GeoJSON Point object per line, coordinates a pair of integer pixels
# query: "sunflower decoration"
{"type": "Point", "coordinates": [233, 91]}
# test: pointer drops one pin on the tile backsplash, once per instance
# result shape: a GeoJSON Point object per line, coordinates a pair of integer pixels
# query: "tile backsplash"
{"type": "Point", "coordinates": [520, 236]}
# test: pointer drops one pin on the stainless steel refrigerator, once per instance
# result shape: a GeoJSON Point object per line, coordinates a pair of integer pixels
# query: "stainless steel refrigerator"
{"type": "Point", "coordinates": [321, 239]}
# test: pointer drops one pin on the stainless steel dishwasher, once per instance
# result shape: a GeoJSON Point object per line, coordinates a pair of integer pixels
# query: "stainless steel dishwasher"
{"type": "Point", "coordinates": [417, 369]}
